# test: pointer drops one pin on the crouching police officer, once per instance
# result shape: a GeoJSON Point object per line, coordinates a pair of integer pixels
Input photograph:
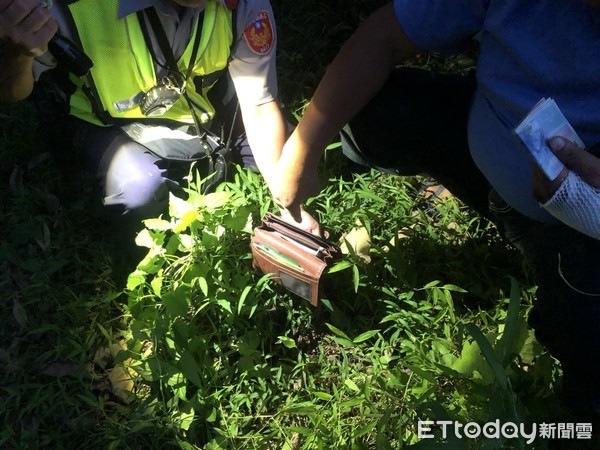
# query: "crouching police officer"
{"type": "Point", "coordinates": [143, 98]}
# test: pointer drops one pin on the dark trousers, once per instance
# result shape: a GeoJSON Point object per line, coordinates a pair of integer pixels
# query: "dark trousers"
{"type": "Point", "coordinates": [418, 124]}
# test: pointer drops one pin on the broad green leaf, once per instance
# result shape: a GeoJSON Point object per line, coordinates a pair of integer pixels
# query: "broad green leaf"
{"type": "Point", "coordinates": [216, 199]}
{"type": "Point", "coordinates": [327, 304]}
{"type": "Point", "coordinates": [453, 287]}
{"type": "Point", "coordinates": [365, 429]}
{"type": "Point", "coordinates": [172, 244]}
{"type": "Point", "coordinates": [178, 385]}
{"type": "Point", "coordinates": [365, 336]}
{"type": "Point", "coordinates": [186, 420]}
{"type": "Point", "coordinates": [386, 359]}
{"type": "Point", "coordinates": [322, 395]}
{"type": "Point", "coordinates": [178, 207]}
{"type": "Point", "coordinates": [212, 416]}
{"type": "Point", "coordinates": [339, 266]}
{"type": "Point", "coordinates": [151, 263]}
{"type": "Point", "coordinates": [157, 224]}
{"type": "Point", "coordinates": [426, 375]}
{"type": "Point", "coordinates": [203, 285]}
{"type": "Point", "coordinates": [430, 285]}
{"type": "Point", "coordinates": [153, 369]}
{"type": "Point", "coordinates": [371, 196]}
{"type": "Point", "coordinates": [183, 445]}
{"type": "Point", "coordinates": [177, 301]}
{"type": "Point", "coordinates": [186, 220]}
{"type": "Point", "coordinates": [170, 346]}
{"type": "Point", "coordinates": [186, 242]}
{"type": "Point", "coordinates": [531, 348]}
{"type": "Point", "coordinates": [355, 278]}
{"type": "Point", "coordinates": [443, 352]}
{"type": "Point", "coordinates": [19, 313]}
{"type": "Point", "coordinates": [243, 298]}
{"type": "Point", "coordinates": [89, 401]}
{"type": "Point", "coordinates": [351, 385]}
{"type": "Point", "coordinates": [509, 341]}
{"type": "Point", "coordinates": [352, 403]}
{"type": "Point", "coordinates": [344, 342]}
{"type": "Point", "coordinates": [489, 355]}
{"type": "Point", "coordinates": [157, 283]}
{"type": "Point", "coordinates": [135, 279]}
{"type": "Point", "coordinates": [240, 220]}
{"type": "Point", "coordinates": [140, 426]}
{"type": "Point", "coordinates": [471, 361]}
{"type": "Point", "coordinates": [302, 409]}
{"type": "Point", "coordinates": [144, 239]}
{"type": "Point", "coordinates": [287, 342]}
{"type": "Point", "coordinates": [226, 305]}
{"type": "Point", "coordinates": [337, 331]}
{"type": "Point", "coordinates": [190, 368]}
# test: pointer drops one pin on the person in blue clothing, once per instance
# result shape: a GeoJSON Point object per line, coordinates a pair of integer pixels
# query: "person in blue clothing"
{"type": "Point", "coordinates": [459, 129]}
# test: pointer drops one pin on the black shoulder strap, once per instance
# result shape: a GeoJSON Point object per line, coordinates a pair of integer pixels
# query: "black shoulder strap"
{"type": "Point", "coordinates": [163, 42]}
{"type": "Point", "coordinates": [90, 91]}
{"type": "Point", "coordinates": [233, 27]}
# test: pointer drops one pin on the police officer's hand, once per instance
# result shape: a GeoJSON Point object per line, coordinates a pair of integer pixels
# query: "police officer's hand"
{"type": "Point", "coordinates": [290, 187]}
{"type": "Point", "coordinates": [302, 220]}
{"type": "Point", "coordinates": [583, 163]}
{"type": "Point", "coordinates": [27, 26]}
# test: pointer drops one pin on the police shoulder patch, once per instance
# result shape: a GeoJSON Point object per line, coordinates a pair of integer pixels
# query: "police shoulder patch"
{"type": "Point", "coordinates": [259, 34]}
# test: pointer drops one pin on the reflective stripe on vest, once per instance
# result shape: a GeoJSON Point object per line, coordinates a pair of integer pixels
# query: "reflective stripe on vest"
{"type": "Point", "coordinates": [123, 67]}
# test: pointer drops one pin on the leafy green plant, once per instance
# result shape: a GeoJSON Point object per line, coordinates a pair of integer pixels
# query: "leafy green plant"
{"type": "Point", "coordinates": [227, 359]}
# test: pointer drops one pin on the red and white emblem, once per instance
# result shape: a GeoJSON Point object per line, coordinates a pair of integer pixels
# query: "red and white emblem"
{"type": "Point", "coordinates": [259, 34]}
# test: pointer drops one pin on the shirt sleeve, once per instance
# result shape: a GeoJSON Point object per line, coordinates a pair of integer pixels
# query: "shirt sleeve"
{"type": "Point", "coordinates": [252, 65]}
{"type": "Point", "coordinates": [444, 26]}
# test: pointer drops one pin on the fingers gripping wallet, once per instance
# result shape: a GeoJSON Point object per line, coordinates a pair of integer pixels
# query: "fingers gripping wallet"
{"type": "Point", "coordinates": [295, 258]}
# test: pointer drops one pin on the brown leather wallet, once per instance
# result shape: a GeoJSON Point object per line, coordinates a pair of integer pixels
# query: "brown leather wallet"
{"type": "Point", "coordinates": [293, 257]}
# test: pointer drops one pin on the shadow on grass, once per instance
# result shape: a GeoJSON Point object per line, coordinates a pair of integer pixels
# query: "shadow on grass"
{"type": "Point", "coordinates": [62, 268]}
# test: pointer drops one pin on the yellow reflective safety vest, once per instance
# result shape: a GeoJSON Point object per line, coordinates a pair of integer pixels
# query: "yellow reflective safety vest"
{"type": "Point", "coordinates": [124, 69]}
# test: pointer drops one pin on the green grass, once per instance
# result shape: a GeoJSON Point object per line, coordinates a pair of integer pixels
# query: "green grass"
{"type": "Point", "coordinates": [182, 344]}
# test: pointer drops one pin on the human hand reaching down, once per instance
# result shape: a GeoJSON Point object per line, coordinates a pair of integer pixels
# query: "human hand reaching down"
{"type": "Point", "coordinates": [302, 220]}
{"type": "Point", "coordinates": [292, 182]}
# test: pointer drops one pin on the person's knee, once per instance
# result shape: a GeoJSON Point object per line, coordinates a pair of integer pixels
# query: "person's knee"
{"type": "Point", "coordinates": [134, 181]}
